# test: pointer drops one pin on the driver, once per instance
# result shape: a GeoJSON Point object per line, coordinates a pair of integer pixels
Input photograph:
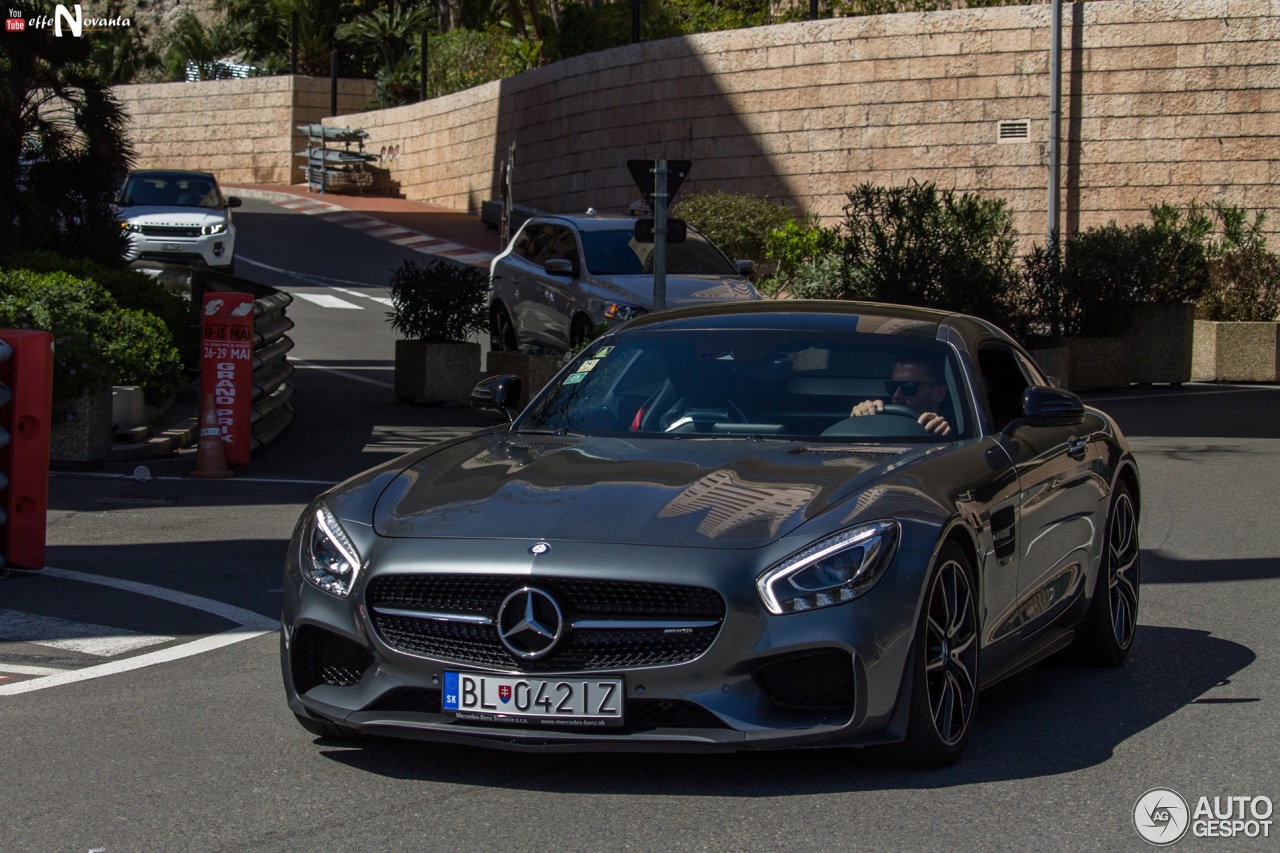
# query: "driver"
{"type": "Point", "coordinates": [915, 383]}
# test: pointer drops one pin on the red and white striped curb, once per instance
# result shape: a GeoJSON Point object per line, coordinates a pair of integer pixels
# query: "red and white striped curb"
{"type": "Point", "coordinates": [382, 230]}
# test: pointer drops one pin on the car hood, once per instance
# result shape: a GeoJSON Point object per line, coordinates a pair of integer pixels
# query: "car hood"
{"type": "Point", "coordinates": [158, 215]}
{"type": "Point", "coordinates": [723, 493]}
{"type": "Point", "coordinates": [681, 289]}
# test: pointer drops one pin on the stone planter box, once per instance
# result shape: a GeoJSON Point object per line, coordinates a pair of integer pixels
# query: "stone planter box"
{"type": "Point", "coordinates": [436, 373]}
{"type": "Point", "coordinates": [1236, 351]}
{"type": "Point", "coordinates": [84, 438]}
{"type": "Point", "coordinates": [1097, 363]}
{"type": "Point", "coordinates": [1160, 343]}
{"type": "Point", "coordinates": [535, 371]}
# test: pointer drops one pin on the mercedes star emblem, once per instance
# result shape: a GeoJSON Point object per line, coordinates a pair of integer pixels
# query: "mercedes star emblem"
{"type": "Point", "coordinates": [530, 623]}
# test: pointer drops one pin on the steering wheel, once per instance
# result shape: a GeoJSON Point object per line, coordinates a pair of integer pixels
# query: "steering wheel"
{"type": "Point", "coordinates": [900, 411]}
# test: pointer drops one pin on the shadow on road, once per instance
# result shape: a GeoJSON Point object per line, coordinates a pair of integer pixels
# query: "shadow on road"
{"type": "Point", "coordinates": [1052, 719]}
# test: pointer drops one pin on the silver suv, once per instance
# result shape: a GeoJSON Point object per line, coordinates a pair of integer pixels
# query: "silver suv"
{"type": "Point", "coordinates": [178, 218]}
{"type": "Point", "coordinates": [563, 276]}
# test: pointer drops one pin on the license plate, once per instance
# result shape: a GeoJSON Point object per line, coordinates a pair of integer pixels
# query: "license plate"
{"type": "Point", "coordinates": [170, 247]}
{"type": "Point", "coordinates": [534, 701]}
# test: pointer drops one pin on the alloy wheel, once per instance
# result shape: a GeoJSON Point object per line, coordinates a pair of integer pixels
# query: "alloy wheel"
{"type": "Point", "coordinates": [951, 643]}
{"type": "Point", "coordinates": [1122, 570]}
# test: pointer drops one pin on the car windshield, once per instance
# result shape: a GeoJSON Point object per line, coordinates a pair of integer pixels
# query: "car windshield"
{"type": "Point", "coordinates": [171, 190]}
{"type": "Point", "coordinates": [788, 384]}
{"type": "Point", "coordinates": [616, 252]}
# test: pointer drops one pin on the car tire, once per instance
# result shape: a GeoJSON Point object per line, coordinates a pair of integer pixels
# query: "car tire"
{"type": "Point", "coordinates": [1106, 635]}
{"type": "Point", "coordinates": [944, 689]}
{"type": "Point", "coordinates": [580, 332]}
{"type": "Point", "coordinates": [324, 728]}
{"type": "Point", "coordinates": [502, 332]}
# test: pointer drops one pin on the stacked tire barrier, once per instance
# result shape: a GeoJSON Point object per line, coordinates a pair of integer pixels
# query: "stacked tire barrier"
{"type": "Point", "coordinates": [272, 391]}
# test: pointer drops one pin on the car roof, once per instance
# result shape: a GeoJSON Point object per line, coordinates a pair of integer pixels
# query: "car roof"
{"type": "Point", "coordinates": [590, 221]}
{"type": "Point", "coordinates": [810, 315]}
{"type": "Point", "coordinates": [172, 174]}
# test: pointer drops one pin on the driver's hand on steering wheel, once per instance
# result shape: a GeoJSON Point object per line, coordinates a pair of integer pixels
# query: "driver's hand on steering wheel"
{"type": "Point", "coordinates": [931, 421]}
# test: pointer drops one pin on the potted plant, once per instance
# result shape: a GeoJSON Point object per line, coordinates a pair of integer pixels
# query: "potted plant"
{"type": "Point", "coordinates": [1237, 336]}
{"type": "Point", "coordinates": [435, 308]}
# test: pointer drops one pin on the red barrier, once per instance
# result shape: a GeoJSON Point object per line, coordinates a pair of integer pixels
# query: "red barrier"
{"type": "Point", "coordinates": [26, 374]}
{"type": "Point", "coordinates": [226, 369]}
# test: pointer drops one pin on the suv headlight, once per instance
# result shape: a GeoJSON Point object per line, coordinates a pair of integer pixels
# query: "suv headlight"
{"type": "Point", "coordinates": [622, 311]}
{"type": "Point", "coordinates": [217, 228]}
{"type": "Point", "coordinates": [329, 560]}
{"type": "Point", "coordinates": [132, 227]}
{"type": "Point", "coordinates": [831, 571]}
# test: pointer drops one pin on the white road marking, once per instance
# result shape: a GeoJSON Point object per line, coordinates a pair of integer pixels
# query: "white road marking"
{"type": "Point", "coordinates": [249, 625]}
{"type": "Point", "coordinates": [354, 377]}
{"type": "Point", "coordinates": [85, 637]}
{"type": "Point", "coordinates": [22, 669]}
{"type": "Point", "coordinates": [383, 300]}
{"type": "Point", "coordinates": [326, 301]}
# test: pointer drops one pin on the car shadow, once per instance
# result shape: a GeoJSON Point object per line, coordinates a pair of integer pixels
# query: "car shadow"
{"type": "Point", "coordinates": [1052, 719]}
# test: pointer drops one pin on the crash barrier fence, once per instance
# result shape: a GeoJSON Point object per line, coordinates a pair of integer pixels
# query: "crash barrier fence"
{"type": "Point", "coordinates": [26, 396]}
{"type": "Point", "coordinates": [272, 393]}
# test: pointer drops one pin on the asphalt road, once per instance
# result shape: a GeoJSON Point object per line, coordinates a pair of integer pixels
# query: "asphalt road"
{"type": "Point", "coordinates": [182, 742]}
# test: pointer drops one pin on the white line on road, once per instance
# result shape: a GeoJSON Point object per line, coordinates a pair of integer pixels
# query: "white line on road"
{"type": "Point", "coordinates": [85, 637]}
{"type": "Point", "coordinates": [249, 625]}
{"type": "Point", "coordinates": [354, 377]}
{"type": "Point", "coordinates": [326, 301]}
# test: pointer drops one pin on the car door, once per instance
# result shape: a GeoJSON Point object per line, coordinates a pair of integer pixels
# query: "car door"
{"type": "Point", "coordinates": [517, 281]}
{"type": "Point", "coordinates": [1055, 518]}
{"type": "Point", "coordinates": [556, 294]}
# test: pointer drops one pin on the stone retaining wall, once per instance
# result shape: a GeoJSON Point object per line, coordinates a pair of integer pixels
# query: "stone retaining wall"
{"type": "Point", "coordinates": [1162, 100]}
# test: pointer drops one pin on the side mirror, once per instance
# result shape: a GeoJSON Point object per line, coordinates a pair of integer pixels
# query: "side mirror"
{"type": "Point", "coordinates": [234, 201]}
{"type": "Point", "coordinates": [561, 266]}
{"type": "Point", "coordinates": [745, 268]}
{"type": "Point", "coordinates": [1046, 406]}
{"type": "Point", "coordinates": [500, 393]}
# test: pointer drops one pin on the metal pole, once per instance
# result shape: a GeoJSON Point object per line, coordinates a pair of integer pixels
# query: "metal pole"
{"type": "Point", "coordinates": [293, 43]}
{"type": "Point", "coordinates": [333, 82]}
{"type": "Point", "coordinates": [659, 234]}
{"type": "Point", "coordinates": [1055, 118]}
{"type": "Point", "coordinates": [635, 21]}
{"type": "Point", "coordinates": [813, 10]}
{"type": "Point", "coordinates": [422, 67]}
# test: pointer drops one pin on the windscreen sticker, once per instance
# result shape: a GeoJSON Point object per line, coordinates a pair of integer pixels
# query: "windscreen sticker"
{"type": "Point", "coordinates": [588, 365]}
{"type": "Point", "coordinates": [603, 351]}
{"type": "Point", "coordinates": [574, 378]}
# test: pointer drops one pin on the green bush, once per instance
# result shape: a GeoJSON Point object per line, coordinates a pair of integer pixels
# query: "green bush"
{"type": "Point", "coordinates": [1244, 284]}
{"type": "Point", "coordinates": [738, 224]}
{"type": "Point", "coordinates": [96, 343]}
{"type": "Point", "coordinates": [918, 245]}
{"type": "Point", "coordinates": [440, 302]}
{"type": "Point", "coordinates": [131, 289]}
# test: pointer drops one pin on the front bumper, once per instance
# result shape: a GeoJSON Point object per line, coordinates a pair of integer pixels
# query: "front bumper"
{"type": "Point", "coordinates": [823, 678]}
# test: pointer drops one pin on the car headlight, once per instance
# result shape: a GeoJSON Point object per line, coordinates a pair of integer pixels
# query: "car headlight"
{"type": "Point", "coordinates": [622, 312]}
{"type": "Point", "coordinates": [329, 560]}
{"type": "Point", "coordinates": [831, 571]}
{"type": "Point", "coordinates": [219, 228]}
{"type": "Point", "coordinates": [131, 227]}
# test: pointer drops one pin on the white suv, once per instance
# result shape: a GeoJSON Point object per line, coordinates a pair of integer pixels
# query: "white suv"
{"type": "Point", "coordinates": [178, 218]}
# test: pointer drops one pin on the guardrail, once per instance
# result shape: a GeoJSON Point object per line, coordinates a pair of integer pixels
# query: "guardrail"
{"type": "Point", "coordinates": [272, 390]}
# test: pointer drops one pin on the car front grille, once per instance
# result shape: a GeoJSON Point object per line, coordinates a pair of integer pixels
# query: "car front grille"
{"type": "Point", "coordinates": [320, 657]}
{"type": "Point", "coordinates": [464, 611]}
{"type": "Point", "coordinates": [171, 230]}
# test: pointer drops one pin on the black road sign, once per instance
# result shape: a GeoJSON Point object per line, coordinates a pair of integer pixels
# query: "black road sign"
{"type": "Point", "coordinates": [676, 230]}
{"type": "Point", "coordinates": [642, 174]}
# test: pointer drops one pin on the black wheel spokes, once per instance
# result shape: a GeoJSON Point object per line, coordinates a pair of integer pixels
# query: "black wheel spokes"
{"type": "Point", "coordinates": [951, 652]}
{"type": "Point", "coordinates": [1122, 571]}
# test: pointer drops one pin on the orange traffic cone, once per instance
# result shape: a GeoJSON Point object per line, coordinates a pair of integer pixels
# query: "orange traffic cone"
{"type": "Point", "coordinates": [211, 458]}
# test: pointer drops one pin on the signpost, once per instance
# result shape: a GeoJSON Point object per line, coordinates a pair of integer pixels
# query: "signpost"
{"type": "Point", "coordinates": [226, 369]}
{"type": "Point", "coordinates": [659, 180]}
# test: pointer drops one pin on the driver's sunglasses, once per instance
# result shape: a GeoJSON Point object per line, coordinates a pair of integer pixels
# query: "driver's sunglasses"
{"type": "Point", "coordinates": [909, 388]}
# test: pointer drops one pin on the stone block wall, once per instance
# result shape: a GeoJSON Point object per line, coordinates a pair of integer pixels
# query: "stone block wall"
{"type": "Point", "coordinates": [244, 131]}
{"type": "Point", "coordinates": [1162, 100]}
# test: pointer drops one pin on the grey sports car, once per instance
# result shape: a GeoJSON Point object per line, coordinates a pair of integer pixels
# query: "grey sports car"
{"type": "Point", "coordinates": [686, 542]}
